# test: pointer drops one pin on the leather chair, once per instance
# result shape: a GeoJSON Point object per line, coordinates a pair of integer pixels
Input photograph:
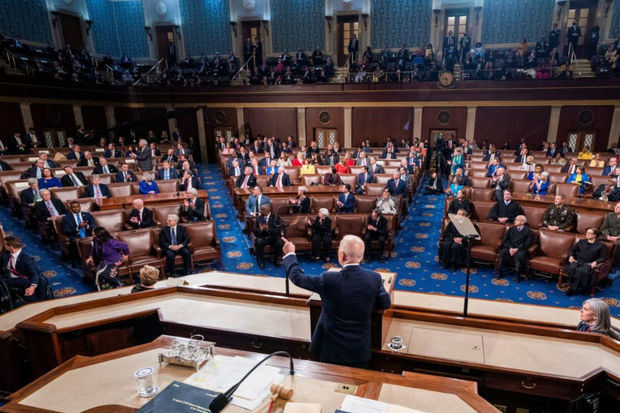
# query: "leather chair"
{"type": "Point", "coordinates": [308, 180]}
{"type": "Point", "coordinates": [534, 216]}
{"type": "Point", "coordinates": [120, 190]}
{"type": "Point", "coordinates": [298, 232]}
{"type": "Point", "coordinates": [585, 221]}
{"type": "Point", "coordinates": [520, 185]}
{"type": "Point", "coordinates": [480, 194]}
{"type": "Point", "coordinates": [106, 179]}
{"type": "Point", "coordinates": [113, 221]}
{"type": "Point", "coordinates": [318, 202]}
{"type": "Point", "coordinates": [479, 182]}
{"type": "Point", "coordinates": [293, 174]}
{"type": "Point", "coordinates": [487, 248]}
{"type": "Point", "coordinates": [601, 273]}
{"type": "Point", "coordinates": [67, 193]}
{"type": "Point", "coordinates": [482, 209]}
{"type": "Point", "coordinates": [365, 203]}
{"type": "Point", "coordinates": [552, 252]}
{"type": "Point", "coordinates": [323, 169]}
{"type": "Point", "coordinates": [389, 170]}
{"type": "Point", "coordinates": [280, 206]}
{"type": "Point", "coordinates": [517, 175]}
{"type": "Point", "coordinates": [143, 249]}
{"type": "Point", "coordinates": [63, 241]}
{"type": "Point", "coordinates": [161, 212]}
{"type": "Point", "coordinates": [356, 170]}
{"type": "Point", "coordinates": [382, 179]}
{"type": "Point", "coordinates": [84, 247]}
{"type": "Point", "coordinates": [478, 165]}
{"type": "Point", "coordinates": [477, 173]}
{"type": "Point", "coordinates": [475, 157]}
{"type": "Point", "coordinates": [598, 180]}
{"type": "Point", "coordinates": [570, 191]}
{"type": "Point", "coordinates": [557, 178]}
{"type": "Point", "coordinates": [374, 189]}
{"type": "Point", "coordinates": [86, 204]}
{"type": "Point", "coordinates": [347, 224]}
{"type": "Point", "coordinates": [349, 179]}
{"type": "Point", "coordinates": [553, 169]}
{"type": "Point", "coordinates": [204, 244]}
{"type": "Point", "coordinates": [389, 238]}
{"type": "Point", "coordinates": [262, 180]}
{"type": "Point", "coordinates": [167, 185]}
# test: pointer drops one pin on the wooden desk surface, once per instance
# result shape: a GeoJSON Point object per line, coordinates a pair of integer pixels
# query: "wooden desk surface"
{"type": "Point", "coordinates": [108, 380]}
{"type": "Point", "coordinates": [125, 201]}
{"type": "Point", "coordinates": [580, 204]}
{"type": "Point", "coordinates": [292, 190]}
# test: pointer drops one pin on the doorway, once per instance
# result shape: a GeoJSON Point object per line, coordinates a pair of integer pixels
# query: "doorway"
{"type": "Point", "coordinates": [71, 27]}
{"type": "Point", "coordinates": [348, 26]}
{"type": "Point", "coordinates": [578, 139]}
{"type": "Point", "coordinates": [447, 134]}
{"type": "Point", "coordinates": [584, 13]}
{"type": "Point", "coordinates": [457, 23]}
{"type": "Point", "coordinates": [166, 44]}
{"type": "Point", "coordinates": [325, 136]}
{"type": "Point", "coordinates": [251, 30]}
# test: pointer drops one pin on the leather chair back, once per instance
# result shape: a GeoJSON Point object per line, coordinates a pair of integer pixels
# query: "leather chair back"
{"type": "Point", "coordinates": [365, 203]}
{"type": "Point", "coordinates": [553, 169]}
{"type": "Point", "coordinates": [382, 179]}
{"type": "Point", "coordinates": [478, 165]}
{"type": "Point", "coordinates": [349, 179]}
{"type": "Point", "coordinates": [374, 189]}
{"type": "Point", "coordinates": [201, 234]}
{"type": "Point", "coordinates": [517, 175]}
{"type": "Point", "coordinates": [262, 180]}
{"type": "Point", "coordinates": [293, 173]}
{"type": "Point", "coordinates": [67, 193]}
{"type": "Point", "coordinates": [86, 204]}
{"type": "Point", "coordinates": [555, 244]}
{"type": "Point", "coordinates": [106, 179]}
{"type": "Point", "coordinates": [477, 173]}
{"type": "Point", "coordinates": [279, 206]}
{"type": "Point", "coordinates": [534, 216]}
{"type": "Point", "coordinates": [481, 194]}
{"type": "Point", "coordinates": [167, 185]}
{"type": "Point", "coordinates": [568, 190]}
{"type": "Point", "coordinates": [491, 233]}
{"type": "Point", "coordinates": [296, 226]}
{"type": "Point", "coordinates": [559, 177]}
{"type": "Point", "coordinates": [598, 180]}
{"type": "Point", "coordinates": [389, 170]}
{"type": "Point", "coordinates": [520, 185]}
{"type": "Point", "coordinates": [350, 225]}
{"type": "Point", "coordinates": [585, 221]}
{"type": "Point", "coordinates": [113, 221]}
{"type": "Point", "coordinates": [308, 180]}
{"type": "Point", "coordinates": [318, 202]}
{"type": "Point", "coordinates": [482, 209]}
{"type": "Point", "coordinates": [323, 169]}
{"type": "Point", "coordinates": [161, 212]}
{"type": "Point", "coordinates": [479, 182]}
{"type": "Point", "coordinates": [139, 242]}
{"type": "Point", "coordinates": [356, 170]}
{"type": "Point", "coordinates": [119, 190]}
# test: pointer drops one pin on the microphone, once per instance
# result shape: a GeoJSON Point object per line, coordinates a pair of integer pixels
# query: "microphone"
{"type": "Point", "coordinates": [222, 399]}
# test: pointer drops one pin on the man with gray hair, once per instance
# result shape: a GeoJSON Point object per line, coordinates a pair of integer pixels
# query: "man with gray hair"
{"type": "Point", "coordinates": [173, 240]}
{"type": "Point", "coordinates": [44, 212]}
{"type": "Point", "coordinates": [321, 234]}
{"type": "Point", "coordinates": [514, 248]}
{"type": "Point", "coordinates": [144, 156]}
{"type": "Point", "coordinates": [376, 230]}
{"type": "Point", "coordinates": [349, 297]}
{"type": "Point", "coordinates": [193, 208]}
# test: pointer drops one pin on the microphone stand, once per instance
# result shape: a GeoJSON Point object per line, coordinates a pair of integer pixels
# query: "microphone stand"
{"type": "Point", "coordinates": [469, 239]}
{"type": "Point", "coordinates": [222, 399]}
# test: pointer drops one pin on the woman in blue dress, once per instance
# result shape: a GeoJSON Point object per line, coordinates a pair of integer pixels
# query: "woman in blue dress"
{"type": "Point", "coordinates": [540, 183]}
{"type": "Point", "coordinates": [48, 180]}
{"type": "Point", "coordinates": [147, 185]}
{"type": "Point", "coordinates": [579, 178]}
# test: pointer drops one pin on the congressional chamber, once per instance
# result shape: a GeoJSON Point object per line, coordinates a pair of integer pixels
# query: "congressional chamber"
{"type": "Point", "coordinates": [413, 206]}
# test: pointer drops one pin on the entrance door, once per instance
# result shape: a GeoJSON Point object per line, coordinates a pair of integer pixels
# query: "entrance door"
{"type": "Point", "coordinates": [582, 12]}
{"type": "Point", "coordinates": [325, 136]}
{"type": "Point", "coordinates": [578, 139]}
{"type": "Point", "coordinates": [166, 46]}
{"type": "Point", "coordinates": [456, 22]}
{"type": "Point", "coordinates": [347, 27]}
{"type": "Point", "coordinates": [250, 30]}
{"type": "Point", "coordinates": [71, 31]}
{"type": "Point", "coordinates": [447, 134]}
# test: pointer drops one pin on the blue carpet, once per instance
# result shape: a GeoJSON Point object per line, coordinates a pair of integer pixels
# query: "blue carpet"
{"type": "Point", "coordinates": [414, 258]}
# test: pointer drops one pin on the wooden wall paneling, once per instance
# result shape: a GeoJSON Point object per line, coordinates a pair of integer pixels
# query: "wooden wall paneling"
{"type": "Point", "coordinates": [315, 120]}
{"type": "Point", "coordinates": [271, 122]}
{"type": "Point", "coordinates": [188, 125]}
{"type": "Point", "coordinates": [218, 118]}
{"type": "Point", "coordinates": [377, 124]}
{"type": "Point", "coordinates": [152, 119]}
{"type": "Point", "coordinates": [512, 123]}
{"type": "Point", "coordinates": [51, 116]}
{"type": "Point", "coordinates": [94, 118]}
{"type": "Point", "coordinates": [12, 120]}
{"type": "Point", "coordinates": [454, 118]}
{"type": "Point", "coordinates": [570, 119]}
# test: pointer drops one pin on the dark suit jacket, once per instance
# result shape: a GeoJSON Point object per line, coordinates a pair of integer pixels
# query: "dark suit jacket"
{"type": "Point", "coordinates": [170, 158]}
{"type": "Point", "coordinates": [26, 196]}
{"type": "Point", "coordinates": [89, 191]}
{"type": "Point", "coordinates": [251, 181]}
{"type": "Point", "coordinates": [388, 155]}
{"type": "Point", "coordinates": [381, 225]}
{"type": "Point", "coordinates": [231, 170]}
{"type": "Point", "coordinates": [274, 226]}
{"type": "Point", "coordinates": [5, 166]}
{"type": "Point", "coordinates": [552, 153]}
{"type": "Point", "coordinates": [342, 334]}
{"type": "Point", "coordinates": [66, 180]}
{"type": "Point", "coordinates": [147, 219]}
{"type": "Point", "coordinates": [42, 213]}
{"type": "Point", "coordinates": [84, 161]}
{"type": "Point", "coordinates": [195, 184]}
{"type": "Point", "coordinates": [99, 169]}
{"type": "Point", "coordinates": [31, 173]}
{"type": "Point", "coordinates": [25, 266]}
{"type": "Point", "coordinates": [70, 227]}
{"type": "Point", "coordinates": [321, 229]}
{"type": "Point", "coordinates": [196, 213]}
{"type": "Point", "coordinates": [72, 155]}
{"type": "Point", "coordinates": [286, 180]}
{"type": "Point", "coordinates": [363, 180]}
{"type": "Point", "coordinates": [513, 238]}
{"type": "Point", "coordinates": [108, 154]}
{"type": "Point", "coordinates": [566, 167]}
{"type": "Point", "coordinates": [500, 210]}
{"type": "Point", "coordinates": [397, 188]}
{"type": "Point", "coordinates": [378, 169]}
{"type": "Point", "coordinates": [165, 238]}
{"type": "Point", "coordinates": [119, 176]}
{"type": "Point", "coordinates": [173, 174]}
{"type": "Point", "coordinates": [145, 159]}
{"type": "Point", "coordinates": [348, 205]}
{"type": "Point", "coordinates": [276, 150]}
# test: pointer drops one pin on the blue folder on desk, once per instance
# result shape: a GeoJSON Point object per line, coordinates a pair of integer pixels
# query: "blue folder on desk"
{"type": "Point", "coordinates": [180, 397]}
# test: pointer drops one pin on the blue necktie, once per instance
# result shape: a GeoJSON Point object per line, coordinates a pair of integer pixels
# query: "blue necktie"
{"type": "Point", "coordinates": [166, 174]}
{"type": "Point", "coordinates": [173, 236]}
{"type": "Point", "coordinates": [82, 231]}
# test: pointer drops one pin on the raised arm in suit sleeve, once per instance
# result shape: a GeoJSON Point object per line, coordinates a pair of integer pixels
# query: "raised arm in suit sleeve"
{"type": "Point", "coordinates": [297, 276]}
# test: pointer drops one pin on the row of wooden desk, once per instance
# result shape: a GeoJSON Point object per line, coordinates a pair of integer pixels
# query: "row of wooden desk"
{"type": "Point", "coordinates": [120, 202]}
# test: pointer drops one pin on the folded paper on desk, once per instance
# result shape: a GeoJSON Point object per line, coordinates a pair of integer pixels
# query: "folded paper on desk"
{"type": "Point", "coordinates": [354, 404]}
{"type": "Point", "coordinates": [295, 407]}
{"type": "Point", "coordinates": [180, 397]}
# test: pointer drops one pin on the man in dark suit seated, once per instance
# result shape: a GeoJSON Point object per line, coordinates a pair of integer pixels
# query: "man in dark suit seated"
{"type": "Point", "coordinates": [375, 168]}
{"type": "Point", "coordinates": [44, 212]}
{"type": "Point", "coordinates": [96, 189]}
{"type": "Point", "coordinates": [235, 169]}
{"type": "Point", "coordinates": [267, 231]}
{"type": "Point", "coordinates": [396, 186]}
{"type": "Point", "coordinates": [166, 172]}
{"type": "Point", "coordinates": [17, 144]}
{"type": "Point", "coordinates": [125, 175]}
{"type": "Point", "coordinates": [331, 158]}
{"type": "Point", "coordinates": [140, 216]}
{"type": "Point", "coordinates": [570, 168]}
{"type": "Point", "coordinates": [104, 168]}
{"type": "Point", "coordinates": [72, 178]}
{"type": "Point", "coordinates": [173, 240]}
{"type": "Point", "coordinates": [247, 180]}
{"type": "Point", "coordinates": [189, 181]}
{"type": "Point", "coordinates": [193, 208]}
{"type": "Point", "coordinates": [75, 153]}
{"type": "Point", "coordinates": [75, 225]}
{"type": "Point", "coordinates": [112, 152]}
{"type": "Point", "coordinates": [28, 197]}
{"type": "Point", "coordinates": [364, 178]}
{"type": "Point", "coordinates": [35, 171]}
{"type": "Point", "coordinates": [33, 138]}
{"type": "Point", "coordinates": [346, 200]}
{"type": "Point", "coordinates": [321, 234]}
{"type": "Point", "coordinates": [389, 153]}
{"type": "Point", "coordinates": [170, 157]}
{"type": "Point", "coordinates": [281, 179]}
{"type": "Point", "coordinates": [514, 248]}
{"type": "Point", "coordinates": [88, 160]}
{"type": "Point", "coordinates": [265, 162]}
{"type": "Point", "coordinates": [5, 166]}
{"type": "Point", "coordinates": [343, 332]}
{"type": "Point", "coordinates": [376, 230]}
{"type": "Point", "coordinates": [19, 271]}
{"type": "Point", "coordinates": [47, 163]}
{"type": "Point", "coordinates": [506, 210]}
{"type": "Point", "coordinates": [552, 151]}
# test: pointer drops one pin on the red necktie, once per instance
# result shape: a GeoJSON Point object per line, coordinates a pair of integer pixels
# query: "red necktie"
{"type": "Point", "coordinates": [12, 267]}
{"type": "Point", "coordinates": [256, 170]}
{"type": "Point", "coordinates": [139, 217]}
{"type": "Point", "coordinates": [245, 182]}
{"type": "Point", "coordinates": [50, 208]}
{"type": "Point", "coordinates": [279, 185]}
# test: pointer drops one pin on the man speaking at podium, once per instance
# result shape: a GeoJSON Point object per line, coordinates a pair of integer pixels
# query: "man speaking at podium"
{"type": "Point", "coordinates": [349, 295]}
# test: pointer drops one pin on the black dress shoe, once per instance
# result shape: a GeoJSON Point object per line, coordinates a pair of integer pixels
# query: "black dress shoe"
{"type": "Point", "coordinates": [261, 265]}
{"type": "Point", "coordinates": [517, 280]}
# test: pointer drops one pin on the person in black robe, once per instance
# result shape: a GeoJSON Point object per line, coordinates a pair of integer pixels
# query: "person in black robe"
{"type": "Point", "coordinates": [506, 210]}
{"type": "Point", "coordinates": [453, 249]}
{"type": "Point", "coordinates": [514, 248]}
{"type": "Point", "coordinates": [583, 258]}
{"type": "Point", "coordinates": [460, 203]}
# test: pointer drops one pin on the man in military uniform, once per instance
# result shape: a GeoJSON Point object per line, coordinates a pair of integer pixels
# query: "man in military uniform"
{"type": "Point", "coordinates": [559, 216]}
{"type": "Point", "coordinates": [611, 231]}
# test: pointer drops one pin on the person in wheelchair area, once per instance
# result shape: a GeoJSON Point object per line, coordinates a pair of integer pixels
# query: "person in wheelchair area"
{"type": "Point", "coordinates": [20, 272]}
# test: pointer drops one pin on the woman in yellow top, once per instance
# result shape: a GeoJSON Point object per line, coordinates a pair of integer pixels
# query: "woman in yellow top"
{"type": "Point", "coordinates": [585, 155]}
{"type": "Point", "coordinates": [307, 169]}
{"type": "Point", "coordinates": [597, 162]}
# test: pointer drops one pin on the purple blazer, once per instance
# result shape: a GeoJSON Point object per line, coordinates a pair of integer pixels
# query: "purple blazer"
{"type": "Point", "coordinates": [109, 252]}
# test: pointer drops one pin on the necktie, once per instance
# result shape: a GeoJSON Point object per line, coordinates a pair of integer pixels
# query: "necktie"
{"type": "Point", "coordinates": [124, 176]}
{"type": "Point", "coordinates": [97, 192]}
{"type": "Point", "coordinates": [572, 169]}
{"type": "Point", "coordinates": [237, 172]}
{"type": "Point", "coordinates": [139, 217]}
{"type": "Point", "coordinates": [279, 185]}
{"type": "Point", "coordinates": [51, 208]}
{"type": "Point", "coordinates": [106, 170]}
{"type": "Point", "coordinates": [38, 172]}
{"type": "Point", "coordinates": [257, 204]}
{"type": "Point", "coordinates": [82, 231]}
{"type": "Point", "coordinates": [173, 236]}
{"type": "Point", "coordinates": [166, 174]}
{"type": "Point", "coordinates": [36, 196]}
{"type": "Point", "coordinates": [245, 182]}
{"type": "Point", "coordinates": [91, 163]}
{"type": "Point", "coordinates": [12, 266]}
{"type": "Point", "coordinates": [256, 170]}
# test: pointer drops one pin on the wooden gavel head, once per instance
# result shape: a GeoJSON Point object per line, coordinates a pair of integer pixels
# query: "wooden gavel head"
{"type": "Point", "coordinates": [281, 391]}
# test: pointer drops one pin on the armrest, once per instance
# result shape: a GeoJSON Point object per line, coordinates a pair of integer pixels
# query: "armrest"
{"type": "Point", "coordinates": [531, 251]}
{"type": "Point", "coordinates": [157, 249]}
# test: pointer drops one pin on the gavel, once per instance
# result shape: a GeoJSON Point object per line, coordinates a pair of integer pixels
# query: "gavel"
{"type": "Point", "coordinates": [277, 391]}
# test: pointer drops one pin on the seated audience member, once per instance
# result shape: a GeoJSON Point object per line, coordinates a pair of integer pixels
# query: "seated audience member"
{"type": "Point", "coordinates": [454, 187]}
{"type": "Point", "coordinates": [514, 247]}
{"type": "Point", "coordinates": [173, 240]}
{"type": "Point", "coordinates": [140, 216]}
{"type": "Point", "coordinates": [552, 151]}
{"type": "Point", "coordinates": [506, 210]}
{"type": "Point", "coordinates": [44, 212]}
{"type": "Point", "coordinates": [571, 167]}
{"type": "Point", "coordinates": [594, 317]}
{"type": "Point", "coordinates": [611, 166]}
{"type": "Point", "coordinates": [321, 235]}
{"type": "Point", "coordinates": [19, 270]}
{"type": "Point", "coordinates": [96, 189]}
{"type": "Point", "coordinates": [376, 230]}
{"type": "Point", "coordinates": [529, 165]}
{"type": "Point", "coordinates": [494, 166]}
{"type": "Point", "coordinates": [28, 198]}
{"type": "Point", "coordinates": [247, 180]}
{"type": "Point", "coordinates": [103, 167]}
{"type": "Point", "coordinates": [558, 160]}
{"type": "Point", "coordinates": [583, 258]}
{"type": "Point", "coordinates": [107, 255]}
{"type": "Point", "coordinates": [342, 167]}
{"type": "Point", "coordinates": [500, 181]}
{"type": "Point", "coordinates": [346, 200]}
{"type": "Point", "coordinates": [559, 216]}
{"type": "Point", "coordinates": [73, 178]}
{"type": "Point", "coordinates": [280, 180]}
{"type": "Point", "coordinates": [538, 169]}
{"type": "Point", "coordinates": [396, 185]}
{"type": "Point", "coordinates": [75, 153]}
{"type": "Point", "coordinates": [88, 160]}
{"type": "Point", "coordinates": [189, 181]}
{"type": "Point", "coordinates": [331, 157]}
{"type": "Point", "coordinates": [388, 153]}
{"type": "Point", "coordinates": [125, 175]}
{"type": "Point", "coordinates": [301, 203]}
{"type": "Point", "coordinates": [172, 158]}
{"type": "Point", "coordinates": [273, 168]}
{"type": "Point", "coordinates": [462, 179]}
{"type": "Point", "coordinates": [265, 162]}
{"type": "Point", "coordinates": [255, 202]}
{"type": "Point", "coordinates": [148, 185]}
{"type": "Point", "coordinates": [364, 178]}
{"type": "Point", "coordinates": [284, 160]}
{"type": "Point", "coordinates": [3, 165]}
{"type": "Point", "coordinates": [434, 186]}
{"type": "Point", "coordinates": [235, 169]}
{"type": "Point", "coordinates": [48, 180]}
{"type": "Point", "coordinates": [386, 203]}
{"type": "Point", "coordinates": [167, 172]}
{"type": "Point", "coordinates": [490, 154]}
{"type": "Point", "coordinates": [579, 178]}
{"type": "Point", "coordinates": [35, 171]}
{"type": "Point", "coordinates": [148, 278]}
{"type": "Point", "coordinates": [597, 162]}
{"type": "Point", "coordinates": [299, 160]}
{"type": "Point", "coordinates": [540, 184]}
{"type": "Point", "coordinates": [186, 165]}
{"type": "Point", "coordinates": [585, 154]}
{"type": "Point", "coordinates": [460, 203]}
{"type": "Point", "coordinates": [611, 231]}
{"type": "Point", "coordinates": [332, 178]}
{"type": "Point", "coordinates": [453, 250]}
{"type": "Point", "coordinates": [257, 169]}
{"type": "Point", "coordinates": [77, 224]}
{"type": "Point", "coordinates": [193, 208]}
{"type": "Point", "coordinates": [112, 152]}
{"type": "Point", "coordinates": [268, 231]}
{"type": "Point", "coordinates": [375, 168]}
{"type": "Point", "coordinates": [47, 163]}
{"type": "Point", "coordinates": [307, 169]}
